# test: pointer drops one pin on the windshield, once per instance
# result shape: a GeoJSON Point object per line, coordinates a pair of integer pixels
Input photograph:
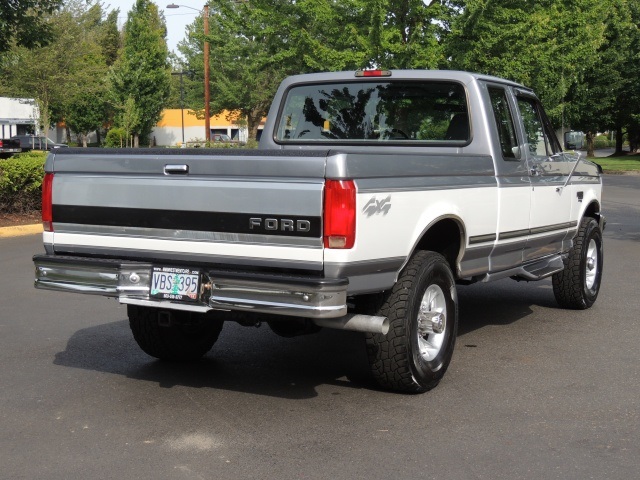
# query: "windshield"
{"type": "Point", "coordinates": [375, 111]}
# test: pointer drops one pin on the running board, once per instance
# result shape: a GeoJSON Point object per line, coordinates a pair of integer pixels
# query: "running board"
{"type": "Point", "coordinates": [530, 272]}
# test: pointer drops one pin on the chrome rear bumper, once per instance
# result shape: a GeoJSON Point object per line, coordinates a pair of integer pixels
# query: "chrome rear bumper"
{"type": "Point", "coordinates": [308, 297]}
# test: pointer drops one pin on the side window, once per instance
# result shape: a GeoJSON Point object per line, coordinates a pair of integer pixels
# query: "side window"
{"type": "Point", "coordinates": [504, 124]}
{"type": "Point", "coordinates": [539, 138]}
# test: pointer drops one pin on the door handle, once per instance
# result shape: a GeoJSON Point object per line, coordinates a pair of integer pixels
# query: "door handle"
{"type": "Point", "coordinates": [176, 169]}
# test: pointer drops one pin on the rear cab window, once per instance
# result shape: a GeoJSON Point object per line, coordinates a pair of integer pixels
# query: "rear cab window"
{"type": "Point", "coordinates": [431, 112]}
{"type": "Point", "coordinates": [505, 126]}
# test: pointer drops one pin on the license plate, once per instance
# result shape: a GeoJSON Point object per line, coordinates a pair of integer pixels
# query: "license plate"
{"type": "Point", "coordinates": [170, 283]}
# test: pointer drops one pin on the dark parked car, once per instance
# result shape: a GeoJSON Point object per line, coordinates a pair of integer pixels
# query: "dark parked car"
{"type": "Point", "coordinates": [36, 142]}
{"type": "Point", "coordinates": [9, 147]}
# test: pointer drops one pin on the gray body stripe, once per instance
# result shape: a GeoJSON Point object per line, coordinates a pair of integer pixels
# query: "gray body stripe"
{"type": "Point", "coordinates": [537, 230]}
{"type": "Point", "coordinates": [371, 283]}
{"type": "Point", "coordinates": [381, 265]}
{"type": "Point", "coordinates": [475, 261]}
{"type": "Point", "coordinates": [551, 228]}
{"type": "Point", "coordinates": [188, 235]}
{"type": "Point", "coordinates": [509, 247]}
{"type": "Point", "coordinates": [482, 238]}
{"type": "Point", "coordinates": [417, 184]}
{"type": "Point", "coordinates": [368, 165]}
{"type": "Point", "coordinates": [539, 247]}
{"type": "Point", "coordinates": [513, 234]}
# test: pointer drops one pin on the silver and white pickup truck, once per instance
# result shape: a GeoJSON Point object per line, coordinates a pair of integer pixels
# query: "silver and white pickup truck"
{"type": "Point", "coordinates": [373, 194]}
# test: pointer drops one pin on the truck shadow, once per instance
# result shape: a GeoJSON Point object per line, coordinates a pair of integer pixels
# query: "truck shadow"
{"type": "Point", "coordinates": [257, 361]}
{"type": "Point", "coordinates": [501, 303]}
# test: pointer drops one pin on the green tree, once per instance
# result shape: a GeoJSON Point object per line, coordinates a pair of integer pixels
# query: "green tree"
{"type": "Point", "coordinates": [25, 22]}
{"type": "Point", "coordinates": [254, 45]}
{"type": "Point", "coordinates": [130, 119]}
{"type": "Point", "coordinates": [142, 73]}
{"type": "Point", "coordinates": [110, 38]}
{"type": "Point", "coordinates": [44, 73]}
{"type": "Point", "coordinates": [63, 69]}
{"type": "Point", "coordinates": [547, 45]}
{"type": "Point", "coordinates": [84, 106]}
{"type": "Point", "coordinates": [574, 53]}
{"type": "Point", "coordinates": [604, 100]}
{"type": "Point", "coordinates": [409, 34]}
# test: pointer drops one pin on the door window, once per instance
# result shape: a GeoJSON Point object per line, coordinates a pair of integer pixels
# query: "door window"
{"type": "Point", "coordinates": [538, 137]}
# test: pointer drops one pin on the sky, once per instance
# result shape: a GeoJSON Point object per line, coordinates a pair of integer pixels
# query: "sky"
{"type": "Point", "coordinates": [177, 18]}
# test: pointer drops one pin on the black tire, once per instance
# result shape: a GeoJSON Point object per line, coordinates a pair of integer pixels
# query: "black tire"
{"type": "Point", "coordinates": [399, 360]}
{"type": "Point", "coordinates": [577, 286]}
{"type": "Point", "coordinates": [181, 336]}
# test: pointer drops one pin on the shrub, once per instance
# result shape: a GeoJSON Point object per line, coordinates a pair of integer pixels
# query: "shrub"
{"type": "Point", "coordinates": [601, 141]}
{"type": "Point", "coordinates": [116, 138]}
{"type": "Point", "coordinates": [21, 181]}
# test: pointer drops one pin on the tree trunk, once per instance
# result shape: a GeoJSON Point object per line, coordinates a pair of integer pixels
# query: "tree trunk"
{"type": "Point", "coordinates": [634, 138]}
{"type": "Point", "coordinates": [136, 140]}
{"type": "Point", "coordinates": [253, 122]}
{"type": "Point", "coordinates": [618, 141]}
{"type": "Point", "coordinates": [590, 149]}
{"type": "Point", "coordinates": [84, 140]}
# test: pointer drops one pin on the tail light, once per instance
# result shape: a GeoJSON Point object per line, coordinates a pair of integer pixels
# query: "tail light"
{"type": "Point", "coordinates": [47, 202]}
{"type": "Point", "coordinates": [339, 214]}
{"type": "Point", "coordinates": [1, 144]}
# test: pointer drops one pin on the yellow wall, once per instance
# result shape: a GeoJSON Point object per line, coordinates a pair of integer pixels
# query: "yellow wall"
{"type": "Point", "coordinates": [173, 118]}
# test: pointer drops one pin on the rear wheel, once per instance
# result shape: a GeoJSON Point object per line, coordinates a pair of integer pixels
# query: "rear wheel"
{"type": "Point", "coordinates": [173, 335]}
{"type": "Point", "coordinates": [578, 285]}
{"type": "Point", "coordinates": [422, 309]}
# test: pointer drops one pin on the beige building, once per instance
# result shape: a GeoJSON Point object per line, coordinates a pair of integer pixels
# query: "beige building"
{"type": "Point", "coordinates": [169, 130]}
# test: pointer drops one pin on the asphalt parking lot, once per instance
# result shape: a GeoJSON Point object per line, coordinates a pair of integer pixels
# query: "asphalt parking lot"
{"type": "Point", "coordinates": [532, 392]}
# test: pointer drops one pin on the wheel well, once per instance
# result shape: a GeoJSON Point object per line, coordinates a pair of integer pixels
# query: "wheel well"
{"type": "Point", "coordinates": [593, 211]}
{"type": "Point", "coordinates": [443, 237]}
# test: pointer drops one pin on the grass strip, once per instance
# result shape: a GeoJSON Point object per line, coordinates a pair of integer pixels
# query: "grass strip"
{"type": "Point", "coordinates": [630, 163]}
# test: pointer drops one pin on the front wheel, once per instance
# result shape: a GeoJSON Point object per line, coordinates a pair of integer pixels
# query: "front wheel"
{"type": "Point", "coordinates": [422, 309]}
{"type": "Point", "coordinates": [577, 286]}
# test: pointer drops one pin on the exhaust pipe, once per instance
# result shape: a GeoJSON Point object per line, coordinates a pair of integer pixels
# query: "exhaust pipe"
{"type": "Point", "coordinates": [357, 323]}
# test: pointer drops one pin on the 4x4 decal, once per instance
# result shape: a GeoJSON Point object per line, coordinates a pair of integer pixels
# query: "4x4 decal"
{"type": "Point", "coordinates": [376, 207]}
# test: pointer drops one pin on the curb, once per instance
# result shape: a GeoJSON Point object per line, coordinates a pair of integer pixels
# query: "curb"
{"type": "Point", "coordinates": [20, 230]}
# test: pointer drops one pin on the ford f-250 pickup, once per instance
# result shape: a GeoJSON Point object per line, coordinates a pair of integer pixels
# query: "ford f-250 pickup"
{"type": "Point", "coordinates": [372, 195]}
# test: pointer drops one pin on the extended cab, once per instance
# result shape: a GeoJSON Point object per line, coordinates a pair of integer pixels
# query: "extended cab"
{"type": "Point", "coordinates": [372, 196]}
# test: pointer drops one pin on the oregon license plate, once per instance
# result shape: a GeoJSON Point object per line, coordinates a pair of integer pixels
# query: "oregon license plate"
{"type": "Point", "coordinates": [171, 283]}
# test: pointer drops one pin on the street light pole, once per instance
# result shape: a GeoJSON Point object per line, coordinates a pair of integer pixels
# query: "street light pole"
{"type": "Point", "coordinates": [207, 115]}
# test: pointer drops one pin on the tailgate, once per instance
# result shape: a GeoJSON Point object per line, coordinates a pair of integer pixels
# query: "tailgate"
{"type": "Point", "coordinates": [222, 207]}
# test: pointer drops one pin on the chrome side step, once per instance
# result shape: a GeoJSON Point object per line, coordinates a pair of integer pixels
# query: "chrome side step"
{"type": "Point", "coordinates": [533, 271]}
